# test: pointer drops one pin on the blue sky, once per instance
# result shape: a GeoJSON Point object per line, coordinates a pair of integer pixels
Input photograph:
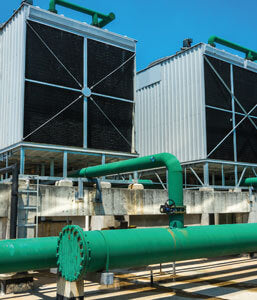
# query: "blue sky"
{"type": "Point", "coordinates": [160, 26]}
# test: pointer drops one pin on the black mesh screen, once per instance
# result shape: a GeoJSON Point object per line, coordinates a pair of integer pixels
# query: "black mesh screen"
{"type": "Point", "coordinates": [103, 59]}
{"type": "Point", "coordinates": [246, 141]}
{"type": "Point", "coordinates": [41, 65]}
{"type": "Point", "coordinates": [215, 92]}
{"type": "Point", "coordinates": [101, 134]}
{"type": "Point", "coordinates": [218, 124]}
{"type": "Point", "coordinates": [245, 88]}
{"type": "Point", "coordinates": [41, 103]}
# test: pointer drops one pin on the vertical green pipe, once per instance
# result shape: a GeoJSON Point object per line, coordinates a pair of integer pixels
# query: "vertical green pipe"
{"type": "Point", "coordinates": [52, 6]}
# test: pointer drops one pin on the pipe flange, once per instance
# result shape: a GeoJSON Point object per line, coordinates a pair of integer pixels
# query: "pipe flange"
{"type": "Point", "coordinates": [71, 253]}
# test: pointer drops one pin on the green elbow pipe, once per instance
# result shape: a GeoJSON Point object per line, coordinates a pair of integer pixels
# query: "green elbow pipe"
{"type": "Point", "coordinates": [252, 181]}
{"type": "Point", "coordinates": [105, 19]}
{"type": "Point", "coordinates": [250, 54]}
{"type": "Point", "coordinates": [27, 254]}
{"type": "Point", "coordinates": [175, 179]}
{"type": "Point", "coordinates": [82, 252]}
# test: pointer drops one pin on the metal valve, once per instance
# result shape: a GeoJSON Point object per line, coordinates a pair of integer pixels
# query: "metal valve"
{"type": "Point", "coordinates": [170, 208]}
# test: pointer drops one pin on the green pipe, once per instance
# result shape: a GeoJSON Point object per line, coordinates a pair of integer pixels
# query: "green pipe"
{"type": "Point", "coordinates": [249, 54]}
{"type": "Point", "coordinates": [105, 19]}
{"type": "Point", "coordinates": [252, 181]}
{"type": "Point", "coordinates": [145, 181]}
{"type": "Point", "coordinates": [27, 254]}
{"type": "Point", "coordinates": [80, 252]}
{"type": "Point", "coordinates": [175, 180]}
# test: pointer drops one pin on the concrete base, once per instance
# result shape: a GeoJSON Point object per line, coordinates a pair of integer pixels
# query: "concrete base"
{"type": "Point", "coordinates": [64, 182]}
{"type": "Point", "coordinates": [136, 186]}
{"type": "Point", "coordinates": [105, 185]}
{"type": "Point", "coordinates": [206, 189]}
{"type": "Point", "coordinates": [67, 290]}
{"type": "Point", "coordinates": [107, 278]}
{"type": "Point", "coordinates": [15, 283]}
{"type": "Point", "coordinates": [235, 190]}
{"type": "Point", "coordinates": [205, 220]}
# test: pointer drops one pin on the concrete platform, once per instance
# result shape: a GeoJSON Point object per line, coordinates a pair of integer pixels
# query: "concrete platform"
{"type": "Point", "coordinates": [226, 278]}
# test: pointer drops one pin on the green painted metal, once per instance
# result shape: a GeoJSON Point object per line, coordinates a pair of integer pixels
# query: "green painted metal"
{"type": "Point", "coordinates": [27, 254]}
{"type": "Point", "coordinates": [145, 181]}
{"type": "Point", "coordinates": [123, 248]}
{"type": "Point", "coordinates": [175, 179]}
{"type": "Point", "coordinates": [249, 54]}
{"type": "Point", "coordinates": [252, 181]}
{"type": "Point", "coordinates": [73, 242]}
{"type": "Point", "coordinates": [98, 19]}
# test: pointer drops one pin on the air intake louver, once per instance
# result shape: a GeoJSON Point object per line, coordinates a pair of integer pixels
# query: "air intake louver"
{"type": "Point", "coordinates": [219, 121]}
{"type": "Point", "coordinates": [55, 77]}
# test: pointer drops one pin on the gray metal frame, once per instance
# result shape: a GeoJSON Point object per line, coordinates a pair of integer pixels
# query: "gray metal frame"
{"type": "Point", "coordinates": [206, 172]}
{"type": "Point", "coordinates": [234, 164]}
{"type": "Point", "coordinates": [86, 31]}
{"type": "Point", "coordinates": [20, 149]}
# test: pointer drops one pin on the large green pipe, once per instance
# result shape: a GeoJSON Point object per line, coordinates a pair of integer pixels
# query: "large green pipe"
{"type": "Point", "coordinates": [124, 248]}
{"type": "Point", "coordinates": [251, 181]}
{"type": "Point", "coordinates": [175, 180]}
{"type": "Point", "coordinates": [81, 252]}
{"type": "Point", "coordinates": [27, 254]}
{"type": "Point", "coordinates": [249, 54]}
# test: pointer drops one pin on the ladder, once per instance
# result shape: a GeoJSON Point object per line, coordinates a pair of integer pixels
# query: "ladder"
{"type": "Point", "coordinates": [25, 208]}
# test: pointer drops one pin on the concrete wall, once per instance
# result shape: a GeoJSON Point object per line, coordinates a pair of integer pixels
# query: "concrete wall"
{"type": "Point", "coordinates": [211, 201]}
{"type": "Point", "coordinates": [5, 197]}
{"type": "Point", "coordinates": [61, 204]}
{"type": "Point", "coordinates": [63, 201]}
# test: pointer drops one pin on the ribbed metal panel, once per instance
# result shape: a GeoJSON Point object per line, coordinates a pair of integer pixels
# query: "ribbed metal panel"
{"type": "Point", "coordinates": [170, 113]}
{"type": "Point", "coordinates": [12, 61]}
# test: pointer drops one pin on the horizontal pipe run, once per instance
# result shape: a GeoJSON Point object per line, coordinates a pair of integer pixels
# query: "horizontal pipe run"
{"type": "Point", "coordinates": [138, 247]}
{"type": "Point", "coordinates": [128, 248]}
{"type": "Point", "coordinates": [175, 179]}
{"type": "Point", "coordinates": [111, 249]}
{"type": "Point", "coordinates": [95, 15]}
{"type": "Point", "coordinates": [249, 54]}
{"type": "Point", "coordinates": [27, 254]}
{"type": "Point", "coordinates": [251, 181]}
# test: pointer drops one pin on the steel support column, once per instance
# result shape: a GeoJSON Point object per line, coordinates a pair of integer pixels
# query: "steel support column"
{"type": "Point", "coordinates": [233, 122]}
{"type": "Point", "coordinates": [65, 163]}
{"type": "Point", "coordinates": [206, 174]}
{"type": "Point", "coordinates": [52, 167]}
{"type": "Point", "coordinates": [22, 160]}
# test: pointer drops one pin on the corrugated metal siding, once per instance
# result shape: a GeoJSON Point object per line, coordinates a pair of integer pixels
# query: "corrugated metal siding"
{"type": "Point", "coordinates": [12, 43]}
{"type": "Point", "coordinates": [170, 114]}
